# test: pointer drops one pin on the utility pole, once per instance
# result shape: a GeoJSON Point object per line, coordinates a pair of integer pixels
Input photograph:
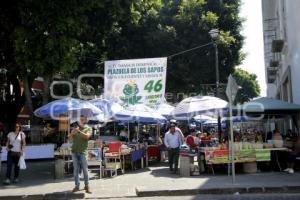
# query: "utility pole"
{"type": "Point", "coordinates": [214, 33]}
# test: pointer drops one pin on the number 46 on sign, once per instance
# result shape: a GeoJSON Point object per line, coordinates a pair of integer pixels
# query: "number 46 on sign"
{"type": "Point", "coordinates": [153, 86]}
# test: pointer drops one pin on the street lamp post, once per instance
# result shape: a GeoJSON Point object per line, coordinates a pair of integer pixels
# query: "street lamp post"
{"type": "Point", "coordinates": [214, 33]}
{"type": "Point", "coordinates": [217, 69]}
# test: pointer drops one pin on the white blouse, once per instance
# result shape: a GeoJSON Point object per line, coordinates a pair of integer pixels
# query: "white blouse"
{"type": "Point", "coordinates": [16, 141]}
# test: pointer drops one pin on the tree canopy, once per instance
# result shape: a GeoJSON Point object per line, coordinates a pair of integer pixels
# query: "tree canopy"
{"type": "Point", "coordinates": [63, 39]}
{"type": "Point", "coordinates": [160, 28]}
{"type": "Point", "coordinates": [249, 86]}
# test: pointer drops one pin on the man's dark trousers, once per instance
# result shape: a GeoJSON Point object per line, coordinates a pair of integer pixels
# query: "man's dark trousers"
{"type": "Point", "coordinates": [173, 154]}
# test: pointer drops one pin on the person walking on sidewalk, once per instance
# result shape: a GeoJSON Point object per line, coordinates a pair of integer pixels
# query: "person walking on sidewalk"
{"type": "Point", "coordinates": [173, 141]}
{"type": "Point", "coordinates": [80, 136]}
{"type": "Point", "coordinates": [15, 146]}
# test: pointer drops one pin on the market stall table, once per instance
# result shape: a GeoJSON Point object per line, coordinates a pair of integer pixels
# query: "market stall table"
{"type": "Point", "coordinates": [138, 155]}
{"type": "Point", "coordinates": [117, 155]}
{"type": "Point", "coordinates": [275, 150]}
{"type": "Point", "coordinates": [221, 156]}
{"type": "Point", "coordinates": [133, 155]}
{"type": "Point", "coordinates": [153, 151]}
{"type": "Point", "coordinates": [63, 157]}
{"type": "Point", "coordinates": [32, 152]}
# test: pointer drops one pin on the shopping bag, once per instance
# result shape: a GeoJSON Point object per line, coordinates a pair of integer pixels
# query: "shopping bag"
{"type": "Point", "coordinates": [22, 163]}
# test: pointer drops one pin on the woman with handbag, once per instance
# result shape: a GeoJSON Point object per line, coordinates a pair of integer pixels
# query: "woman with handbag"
{"type": "Point", "coordinates": [15, 145]}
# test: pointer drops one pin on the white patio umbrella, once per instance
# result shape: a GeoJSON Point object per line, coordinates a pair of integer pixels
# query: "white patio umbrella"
{"type": "Point", "coordinates": [202, 118]}
{"type": "Point", "coordinates": [71, 107]}
{"type": "Point", "coordinates": [193, 106]}
{"type": "Point", "coordinates": [211, 121]}
{"type": "Point", "coordinates": [109, 107]}
{"type": "Point", "coordinates": [164, 109]}
{"type": "Point", "coordinates": [139, 113]}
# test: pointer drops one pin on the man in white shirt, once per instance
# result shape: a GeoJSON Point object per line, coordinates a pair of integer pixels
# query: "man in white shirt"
{"type": "Point", "coordinates": [173, 140]}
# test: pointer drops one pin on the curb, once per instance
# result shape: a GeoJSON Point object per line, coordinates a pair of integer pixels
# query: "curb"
{"type": "Point", "coordinates": [217, 191]}
{"type": "Point", "coordinates": [49, 196]}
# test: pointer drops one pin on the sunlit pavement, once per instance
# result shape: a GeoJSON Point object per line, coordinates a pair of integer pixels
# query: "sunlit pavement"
{"type": "Point", "coordinates": [38, 179]}
{"type": "Point", "coordinates": [226, 197]}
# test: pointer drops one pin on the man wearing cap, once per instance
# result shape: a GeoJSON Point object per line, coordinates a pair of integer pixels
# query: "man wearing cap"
{"type": "Point", "coordinates": [173, 140]}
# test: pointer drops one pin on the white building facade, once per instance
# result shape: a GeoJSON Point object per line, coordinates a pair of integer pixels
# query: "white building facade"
{"type": "Point", "coordinates": [281, 25]}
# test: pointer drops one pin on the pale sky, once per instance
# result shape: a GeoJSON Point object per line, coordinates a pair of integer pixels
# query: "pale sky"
{"type": "Point", "coordinates": [253, 46]}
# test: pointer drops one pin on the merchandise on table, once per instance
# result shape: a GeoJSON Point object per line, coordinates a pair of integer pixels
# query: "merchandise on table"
{"type": "Point", "coordinates": [244, 152]}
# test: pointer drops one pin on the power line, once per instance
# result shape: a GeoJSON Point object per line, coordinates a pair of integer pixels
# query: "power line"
{"type": "Point", "coordinates": [188, 50]}
{"type": "Point", "coordinates": [171, 56]}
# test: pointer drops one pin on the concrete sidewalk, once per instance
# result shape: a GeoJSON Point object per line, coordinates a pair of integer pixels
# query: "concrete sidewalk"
{"type": "Point", "coordinates": [38, 180]}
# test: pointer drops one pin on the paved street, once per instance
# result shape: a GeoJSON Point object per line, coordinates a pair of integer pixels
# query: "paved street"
{"type": "Point", "coordinates": [38, 180]}
{"type": "Point", "coordinates": [226, 197]}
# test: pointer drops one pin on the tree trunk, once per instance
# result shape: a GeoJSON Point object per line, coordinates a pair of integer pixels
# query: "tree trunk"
{"type": "Point", "coordinates": [28, 97]}
{"type": "Point", "coordinates": [46, 89]}
{"type": "Point", "coordinates": [19, 100]}
{"type": "Point", "coordinates": [35, 128]}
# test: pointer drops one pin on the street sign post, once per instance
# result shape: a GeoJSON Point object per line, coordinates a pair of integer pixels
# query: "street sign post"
{"type": "Point", "coordinates": [231, 91]}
